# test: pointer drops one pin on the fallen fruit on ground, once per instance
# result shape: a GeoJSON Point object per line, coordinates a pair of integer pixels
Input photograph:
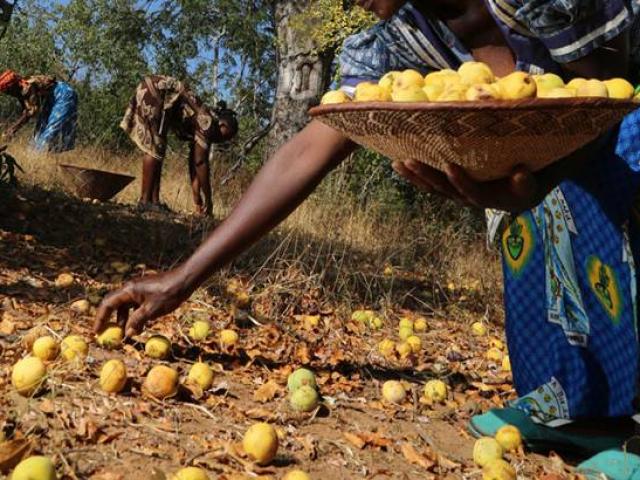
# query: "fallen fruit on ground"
{"type": "Point", "coordinates": [509, 438]}
{"type": "Point", "coordinates": [333, 97]}
{"type": "Point", "coordinates": [299, 378]}
{"type": "Point", "coordinates": [27, 375]}
{"type": "Point", "coordinates": [304, 399]}
{"type": "Point", "coordinates": [496, 343]}
{"type": "Point", "coordinates": [111, 337]}
{"type": "Point", "coordinates": [406, 323]}
{"type": "Point", "coordinates": [35, 468]}
{"type": "Point", "coordinates": [415, 343]}
{"type": "Point", "coordinates": [46, 348]}
{"type": "Point", "coordinates": [403, 349]}
{"type": "Point", "coordinates": [201, 374]}
{"type": "Point", "coordinates": [495, 355]}
{"type": "Point", "coordinates": [479, 329]}
{"type": "Point", "coordinates": [498, 470]}
{"type": "Point", "coordinates": [405, 333]}
{"type": "Point", "coordinates": [74, 347]}
{"type": "Point", "coordinates": [506, 364]}
{"type": "Point", "coordinates": [420, 325]}
{"type": "Point", "coordinates": [80, 306]}
{"type": "Point", "coordinates": [199, 330]}
{"type": "Point", "coordinates": [386, 347]}
{"type": "Point", "coordinates": [161, 382]}
{"type": "Point", "coordinates": [296, 475]}
{"type": "Point", "coordinates": [64, 280]}
{"type": "Point", "coordinates": [228, 337]}
{"type": "Point", "coordinates": [113, 376]}
{"type": "Point", "coordinates": [362, 315]}
{"type": "Point", "coordinates": [435, 391]}
{"type": "Point", "coordinates": [260, 443]}
{"type": "Point", "coordinates": [393, 391]}
{"type": "Point", "coordinates": [190, 473]}
{"type": "Point", "coordinates": [158, 347]}
{"type": "Point", "coordinates": [485, 450]}
{"type": "Point", "coordinates": [376, 323]}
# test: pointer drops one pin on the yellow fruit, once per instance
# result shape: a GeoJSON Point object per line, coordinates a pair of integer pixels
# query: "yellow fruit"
{"type": "Point", "coordinates": [435, 391]}
{"type": "Point", "coordinates": [405, 323]}
{"type": "Point", "coordinates": [199, 330]}
{"type": "Point", "coordinates": [403, 349]}
{"type": "Point", "coordinates": [362, 316]}
{"type": "Point", "coordinates": [576, 83]}
{"type": "Point", "coordinates": [393, 391]}
{"type": "Point", "coordinates": [496, 343]}
{"type": "Point", "coordinates": [456, 92]}
{"type": "Point", "coordinates": [46, 348]}
{"type": "Point", "coordinates": [405, 333]}
{"type": "Point", "coordinates": [113, 376]}
{"type": "Point", "coordinates": [260, 442]}
{"type": "Point", "coordinates": [433, 91]}
{"type": "Point", "coordinates": [304, 399]}
{"type": "Point", "coordinates": [300, 378]}
{"type": "Point", "coordinates": [409, 94]}
{"type": "Point", "coordinates": [35, 468]}
{"type": "Point", "coordinates": [619, 88]}
{"type": "Point", "coordinates": [27, 375]}
{"type": "Point", "coordinates": [80, 306]}
{"type": "Point", "coordinates": [161, 382]}
{"type": "Point", "coordinates": [475, 72]}
{"type": "Point", "coordinates": [310, 321]}
{"type": "Point", "coordinates": [242, 299]}
{"type": "Point", "coordinates": [420, 325]}
{"type": "Point", "coordinates": [415, 343]}
{"type": "Point", "coordinates": [593, 88]}
{"type": "Point", "coordinates": [74, 347]}
{"type": "Point", "coordinates": [494, 355]}
{"type": "Point", "coordinates": [201, 374]}
{"type": "Point", "coordinates": [506, 364]}
{"type": "Point", "coordinates": [498, 470]}
{"type": "Point", "coordinates": [376, 323]}
{"type": "Point", "coordinates": [485, 450]}
{"type": "Point", "coordinates": [158, 347]}
{"type": "Point", "coordinates": [233, 286]}
{"type": "Point", "coordinates": [482, 91]}
{"type": "Point", "coordinates": [558, 93]}
{"type": "Point", "coordinates": [479, 329]}
{"type": "Point", "coordinates": [334, 97]}
{"type": "Point", "coordinates": [64, 280]}
{"type": "Point", "coordinates": [296, 475]}
{"type": "Point", "coordinates": [442, 78]}
{"type": "Point", "coordinates": [408, 79]}
{"type": "Point", "coordinates": [517, 85]}
{"type": "Point", "coordinates": [386, 347]}
{"type": "Point", "coordinates": [111, 337]}
{"type": "Point", "coordinates": [547, 82]}
{"type": "Point", "coordinates": [371, 92]}
{"type": "Point", "coordinates": [190, 473]}
{"type": "Point", "coordinates": [388, 80]}
{"type": "Point", "coordinates": [509, 438]}
{"type": "Point", "coordinates": [228, 337]}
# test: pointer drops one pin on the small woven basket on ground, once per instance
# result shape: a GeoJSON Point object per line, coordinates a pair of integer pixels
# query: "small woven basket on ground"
{"type": "Point", "coordinates": [95, 184]}
{"type": "Point", "coordinates": [488, 139]}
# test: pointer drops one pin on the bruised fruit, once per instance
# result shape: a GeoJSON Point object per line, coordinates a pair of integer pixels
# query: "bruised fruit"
{"type": "Point", "coordinates": [111, 337]}
{"type": "Point", "coordinates": [485, 450]}
{"type": "Point", "coordinates": [260, 443]}
{"type": "Point", "coordinates": [161, 382]}
{"type": "Point", "coordinates": [113, 376]}
{"type": "Point", "coordinates": [27, 375]}
{"type": "Point", "coordinates": [158, 347]}
{"type": "Point", "coordinates": [304, 399]}
{"type": "Point", "coordinates": [190, 473]}
{"type": "Point", "coordinates": [35, 468]}
{"type": "Point", "coordinates": [435, 391]}
{"type": "Point", "coordinates": [509, 438]}
{"type": "Point", "coordinates": [74, 347]}
{"type": "Point", "coordinates": [199, 330]}
{"type": "Point", "coordinates": [201, 374]}
{"type": "Point", "coordinates": [393, 391]}
{"type": "Point", "coordinates": [299, 378]}
{"type": "Point", "coordinates": [46, 348]}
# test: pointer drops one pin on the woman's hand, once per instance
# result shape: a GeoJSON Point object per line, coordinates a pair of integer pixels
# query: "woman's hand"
{"type": "Point", "coordinates": [143, 300]}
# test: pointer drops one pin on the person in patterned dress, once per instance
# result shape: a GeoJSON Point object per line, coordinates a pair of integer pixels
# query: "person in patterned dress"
{"type": "Point", "coordinates": [162, 103]}
{"type": "Point", "coordinates": [52, 102]}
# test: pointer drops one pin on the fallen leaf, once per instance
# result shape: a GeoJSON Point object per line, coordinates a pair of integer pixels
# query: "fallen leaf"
{"type": "Point", "coordinates": [12, 452]}
{"type": "Point", "coordinates": [266, 392]}
{"type": "Point", "coordinates": [355, 440]}
{"type": "Point", "coordinates": [412, 456]}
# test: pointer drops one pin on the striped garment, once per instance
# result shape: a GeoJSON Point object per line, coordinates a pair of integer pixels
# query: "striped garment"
{"type": "Point", "coordinates": [569, 263]}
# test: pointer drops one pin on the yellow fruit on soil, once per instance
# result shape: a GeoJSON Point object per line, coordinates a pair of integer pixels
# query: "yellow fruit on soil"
{"type": "Point", "coordinates": [576, 83]}
{"type": "Point", "coordinates": [46, 348]}
{"type": "Point", "coordinates": [498, 470]}
{"type": "Point", "coordinates": [509, 438]}
{"type": "Point", "coordinates": [64, 280]}
{"type": "Point", "coordinates": [547, 82]}
{"type": "Point", "coordinates": [435, 391]}
{"type": "Point", "coordinates": [433, 91]}
{"type": "Point", "coordinates": [405, 332]}
{"type": "Point", "coordinates": [388, 80]}
{"type": "Point", "coordinates": [371, 92]}
{"type": "Point", "coordinates": [408, 79]}
{"type": "Point", "coordinates": [228, 337]}
{"type": "Point", "coordinates": [201, 374]}
{"type": "Point", "coordinates": [386, 347]}
{"type": "Point", "coordinates": [158, 347]}
{"type": "Point", "coordinates": [35, 468]}
{"type": "Point", "coordinates": [506, 364]}
{"type": "Point", "coordinates": [495, 355]}
{"type": "Point", "coordinates": [593, 88]}
{"type": "Point", "coordinates": [403, 349]}
{"type": "Point", "coordinates": [479, 329]}
{"type": "Point", "coordinates": [559, 93]}
{"type": "Point", "coordinates": [496, 343]}
{"type": "Point", "coordinates": [362, 316]}
{"type": "Point", "coordinates": [455, 92]}
{"type": "Point", "coordinates": [482, 91]}
{"type": "Point", "coordinates": [80, 306]}
{"type": "Point", "coordinates": [333, 97]}
{"type": "Point", "coordinates": [485, 450]}
{"type": "Point", "coordinates": [415, 343]}
{"type": "Point", "coordinates": [199, 330]}
{"type": "Point", "coordinates": [409, 94]}
{"type": "Point", "coordinates": [517, 85]}
{"type": "Point", "coordinates": [420, 325]}
{"type": "Point", "coordinates": [475, 72]}
{"type": "Point", "coordinates": [242, 299]}
{"type": "Point", "coordinates": [310, 321]}
{"type": "Point", "coordinates": [74, 347]}
{"type": "Point", "coordinates": [393, 391]}
{"type": "Point", "coordinates": [304, 399]}
{"type": "Point", "coordinates": [376, 323]}
{"type": "Point", "coordinates": [113, 376]}
{"type": "Point", "coordinates": [619, 88]}
{"type": "Point", "coordinates": [27, 375]}
{"type": "Point", "coordinates": [161, 382]}
{"type": "Point", "coordinates": [260, 442]}
{"type": "Point", "coordinates": [111, 337]}
{"type": "Point", "coordinates": [190, 473]}
{"type": "Point", "coordinates": [296, 475]}
{"type": "Point", "coordinates": [300, 378]}
{"type": "Point", "coordinates": [405, 323]}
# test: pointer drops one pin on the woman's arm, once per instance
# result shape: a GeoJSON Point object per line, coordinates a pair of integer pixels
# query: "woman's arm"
{"type": "Point", "coordinates": [282, 184]}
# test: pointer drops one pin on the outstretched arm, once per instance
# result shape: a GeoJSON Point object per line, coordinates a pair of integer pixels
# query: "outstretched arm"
{"type": "Point", "coordinates": [282, 184]}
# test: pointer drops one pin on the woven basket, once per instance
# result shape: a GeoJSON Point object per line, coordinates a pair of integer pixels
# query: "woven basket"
{"type": "Point", "coordinates": [486, 138]}
{"type": "Point", "coordinates": [95, 184]}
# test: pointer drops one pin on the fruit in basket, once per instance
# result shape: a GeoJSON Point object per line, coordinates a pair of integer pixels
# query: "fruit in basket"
{"type": "Point", "coordinates": [482, 91]}
{"type": "Point", "coordinates": [576, 83]}
{"type": "Point", "coordinates": [442, 78]}
{"type": "Point", "coordinates": [408, 79]}
{"type": "Point", "coordinates": [517, 85]}
{"type": "Point", "coordinates": [472, 73]}
{"type": "Point", "coordinates": [371, 92]}
{"type": "Point", "coordinates": [619, 88]}
{"type": "Point", "coordinates": [433, 91]}
{"type": "Point", "coordinates": [454, 92]}
{"type": "Point", "coordinates": [409, 94]}
{"type": "Point", "coordinates": [547, 82]}
{"type": "Point", "coordinates": [593, 88]}
{"type": "Point", "coordinates": [334, 97]}
{"type": "Point", "coordinates": [563, 92]}
{"type": "Point", "coordinates": [388, 80]}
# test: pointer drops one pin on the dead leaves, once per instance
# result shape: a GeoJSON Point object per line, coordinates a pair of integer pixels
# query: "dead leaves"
{"type": "Point", "coordinates": [12, 452]}
{"type": "Point", "coordinates": [368, 439]}
{"type": "Point", "coordinates": [267, 392]}
{"type": "Point", "coordinates": [412, 456]}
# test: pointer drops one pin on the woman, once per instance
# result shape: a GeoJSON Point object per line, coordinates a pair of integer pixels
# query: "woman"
{"type": "Point", "coordinates": [571, 291]}
{"type": "Point", "coordinates": [54, 102]}
{"type": "Point", "coordinates": [162, 103]}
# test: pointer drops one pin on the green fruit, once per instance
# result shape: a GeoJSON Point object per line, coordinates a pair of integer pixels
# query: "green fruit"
{"type": "Point", "coordinates": [299, 378]}
{"type": "Point", "coordinates": [199, 330]}
{"type": "Point", "coordinates": [304, 399]}
{"type": "Point", "coordinates": [35, 468]}
{"type": "Point", "coordinates": [405, 333]}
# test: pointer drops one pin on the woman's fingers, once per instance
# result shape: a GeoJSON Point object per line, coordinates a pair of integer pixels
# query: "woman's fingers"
{"type": "Point", "coordinates": [408, 175]}
{"type": "Point", "coordinates": [436, 179]}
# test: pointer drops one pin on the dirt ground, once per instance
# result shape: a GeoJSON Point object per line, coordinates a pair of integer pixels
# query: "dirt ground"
{"type": "Point", "coordinates": [354, 434]}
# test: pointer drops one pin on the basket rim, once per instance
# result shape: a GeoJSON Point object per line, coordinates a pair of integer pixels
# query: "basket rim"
{"type": "Point", "coordinates": [66, 166]}
{"type": "Point", "coordinates": [489, 105]}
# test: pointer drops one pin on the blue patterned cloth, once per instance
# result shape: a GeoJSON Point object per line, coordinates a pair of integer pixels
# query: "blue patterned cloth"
{"type": "Point", "coordinates": [57, 121]}
{"type": "Point", "coordinates": [569, 271]}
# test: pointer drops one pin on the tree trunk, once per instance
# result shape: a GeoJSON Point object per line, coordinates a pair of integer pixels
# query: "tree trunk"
{"type": "Point", "coordinates": [303, 74]}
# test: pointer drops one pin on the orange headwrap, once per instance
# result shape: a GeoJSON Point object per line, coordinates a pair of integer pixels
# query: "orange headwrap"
{"type": "Point", "coordinates": [9, 79]}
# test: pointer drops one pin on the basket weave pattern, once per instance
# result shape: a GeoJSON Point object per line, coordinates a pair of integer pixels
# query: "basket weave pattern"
{"type": "Point", "coordinates": [95, 184]}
